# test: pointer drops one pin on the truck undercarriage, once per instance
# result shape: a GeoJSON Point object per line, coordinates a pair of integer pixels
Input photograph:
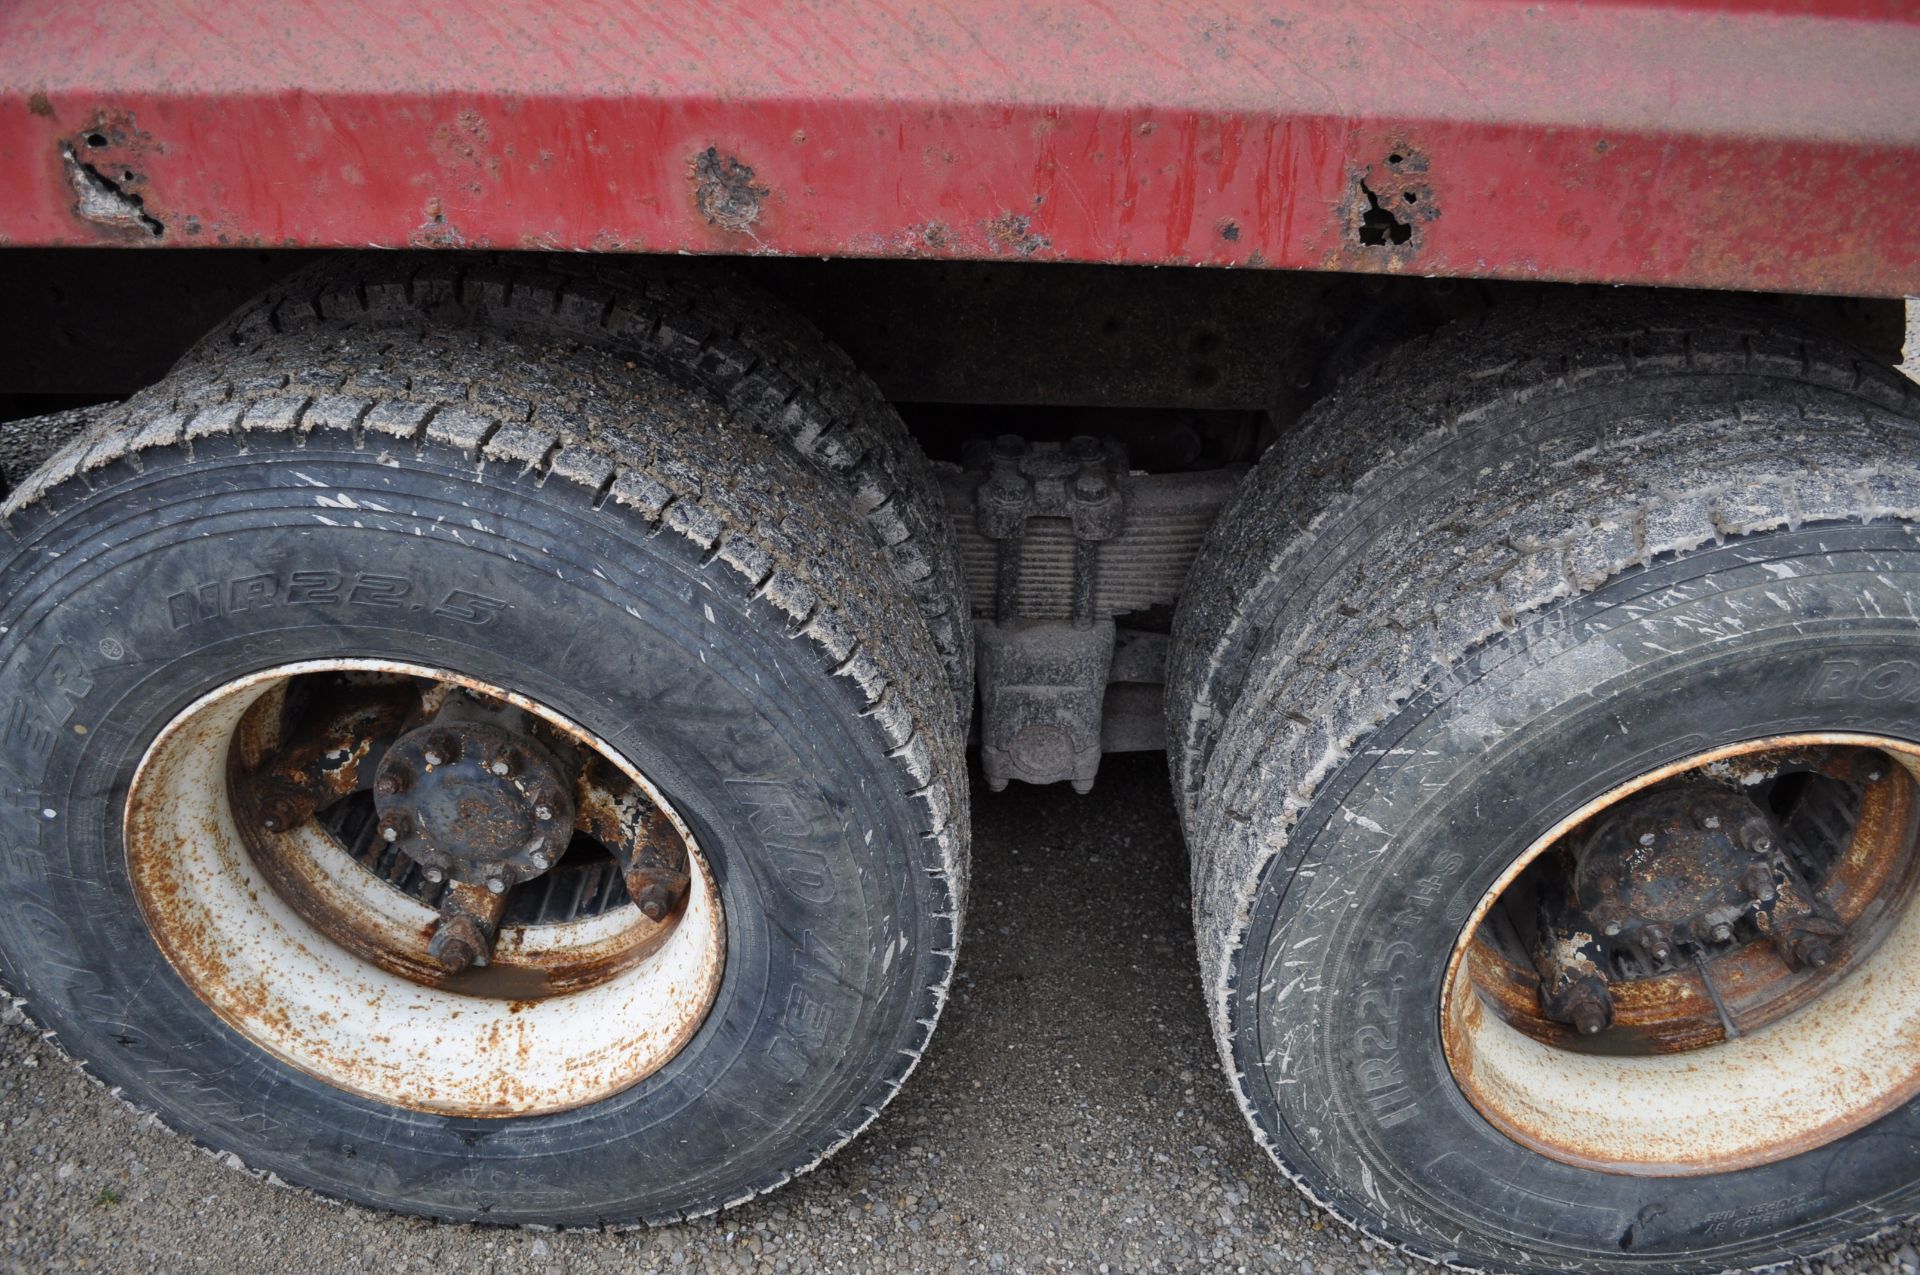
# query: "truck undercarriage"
{"type": "Point", "coordinates": [490, 698]}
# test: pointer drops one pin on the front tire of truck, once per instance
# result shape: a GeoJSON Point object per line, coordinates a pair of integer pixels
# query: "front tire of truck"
{"type": "Point", "coordinates": [1551, 771]}
{"type": "Point", "coordinates": [472, 781]}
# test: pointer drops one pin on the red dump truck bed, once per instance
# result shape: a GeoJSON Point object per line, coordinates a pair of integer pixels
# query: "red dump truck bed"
{"type": "Point", "coordinates": [1762, 145]}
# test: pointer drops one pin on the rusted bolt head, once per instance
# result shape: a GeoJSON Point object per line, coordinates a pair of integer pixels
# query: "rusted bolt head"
{"type": "Point", "coordinates": [434, 757]}
{"type": "Point", "coordinates": [1009, 447]}
{"type": "Point", "coordinates": [1656, 943]}
{"type": "Point", "coordinates": [1722, 932]}
{"type": "Point", "coordinates": [276, 814]}
{"type": "Point", "coordinates": [1812, 951]}
{"type": "Point", "coordinates": [1589, 1017]}
{"type": "Point", "coordinates": [1084, 447]}
{"type": "Point", "coordinates": [655, 902]}
{"type": "Point", "coordinates": [1091, 487]}
{"type": "Point", "coordinates": [543, 813]}
{"type": "Point", "coordinates": [500, 766]}
{"type": "Point", "coordinates": [395, 828]}
{"type": "Point", "coordinates": [1757, 881]}
{"type": "Point", "coordinates": [542, 862]}
{"type": "Point", "coordinates": [457, 943]}
{"type": "Point", "coordinates": [496, 885]}
{"type": "Point", "coordinates": [435, 875]}
{"type": "Point", "coordinates": [391, 784]}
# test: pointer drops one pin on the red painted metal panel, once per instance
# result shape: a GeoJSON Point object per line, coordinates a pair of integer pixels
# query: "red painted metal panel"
{"type": "Point", "coordinates": [1757, 144]}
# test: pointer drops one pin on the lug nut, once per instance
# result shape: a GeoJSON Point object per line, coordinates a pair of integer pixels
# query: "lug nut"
{"type": "Point", "coordinates": [1812, 952]}
{"type": "Point", "coordinates": [276, 815]}
{"type": "Point", "coordinates": [1656, 944]}
{"type": "Point", "coordinates": [458, 942]}
{"type": "Point", "coordinates": [655, 902]}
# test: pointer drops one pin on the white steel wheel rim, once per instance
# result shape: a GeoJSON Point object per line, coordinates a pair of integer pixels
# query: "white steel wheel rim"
{"type": "Point", "coordinates": [285, 985]}
{"type": "Point", "coordinates": [1825, 1070]}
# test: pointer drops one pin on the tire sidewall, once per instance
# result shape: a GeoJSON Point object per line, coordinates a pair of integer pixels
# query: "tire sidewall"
{"type": "Point", "coordinates": [1333, 1002]}
{"type": "Point", "coordinates": [166, 583]}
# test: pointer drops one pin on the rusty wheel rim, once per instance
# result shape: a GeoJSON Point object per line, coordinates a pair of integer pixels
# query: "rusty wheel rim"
{"type": "Point", "coordinates": [278, 925]}
{"type": "Point", "coordinates": [1756, 1035]}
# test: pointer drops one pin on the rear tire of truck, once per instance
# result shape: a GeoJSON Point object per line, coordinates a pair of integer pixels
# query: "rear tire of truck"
{"type": "Point", "coordinates": [644, 599]}
{"type": "Point", "coordinates": [1509, 591]}
{"type": "Point", "coordinates": [695, 325]}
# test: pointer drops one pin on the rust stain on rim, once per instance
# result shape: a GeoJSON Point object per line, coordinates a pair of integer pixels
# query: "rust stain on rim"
{"type": "Point", "coordinates": [1825, 1063]}
{"type": "Point", "coordinates": [363, 1025]}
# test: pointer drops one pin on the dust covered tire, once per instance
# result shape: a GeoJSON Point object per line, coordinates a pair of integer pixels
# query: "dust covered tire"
{"type": "Point", "coordinates": [617, 549]}
{"type": "Point", "coordinates": [1501, 573]}
{"type": "Point", "coordinates": [689, 322]}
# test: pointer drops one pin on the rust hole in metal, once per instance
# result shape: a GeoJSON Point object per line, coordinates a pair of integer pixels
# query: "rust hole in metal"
{"type": "Point", "coordinates": [1379, 226]}
{"type": "Point", "coordinates": [105, 201]}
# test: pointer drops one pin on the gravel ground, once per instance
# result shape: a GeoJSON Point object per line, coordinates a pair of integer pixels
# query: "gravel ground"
{"type": "Point", "coordinates": [1070, 1115]}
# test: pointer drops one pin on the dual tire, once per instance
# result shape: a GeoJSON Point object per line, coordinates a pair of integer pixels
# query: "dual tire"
{"type": "Point", "coordinates": [611, 545]}
{"type": "Point", "coordinates": [1508, 572]}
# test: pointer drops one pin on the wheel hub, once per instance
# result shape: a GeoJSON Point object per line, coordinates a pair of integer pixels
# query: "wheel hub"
{"type": "Point", "coordinates": [1671, 979]}
{"type": "Point", "coordinates": [254, 833]}
{"type": "Point", "coordinates": [475, 799]}
{"type": "Point", "coordinates": [1677, 872]}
